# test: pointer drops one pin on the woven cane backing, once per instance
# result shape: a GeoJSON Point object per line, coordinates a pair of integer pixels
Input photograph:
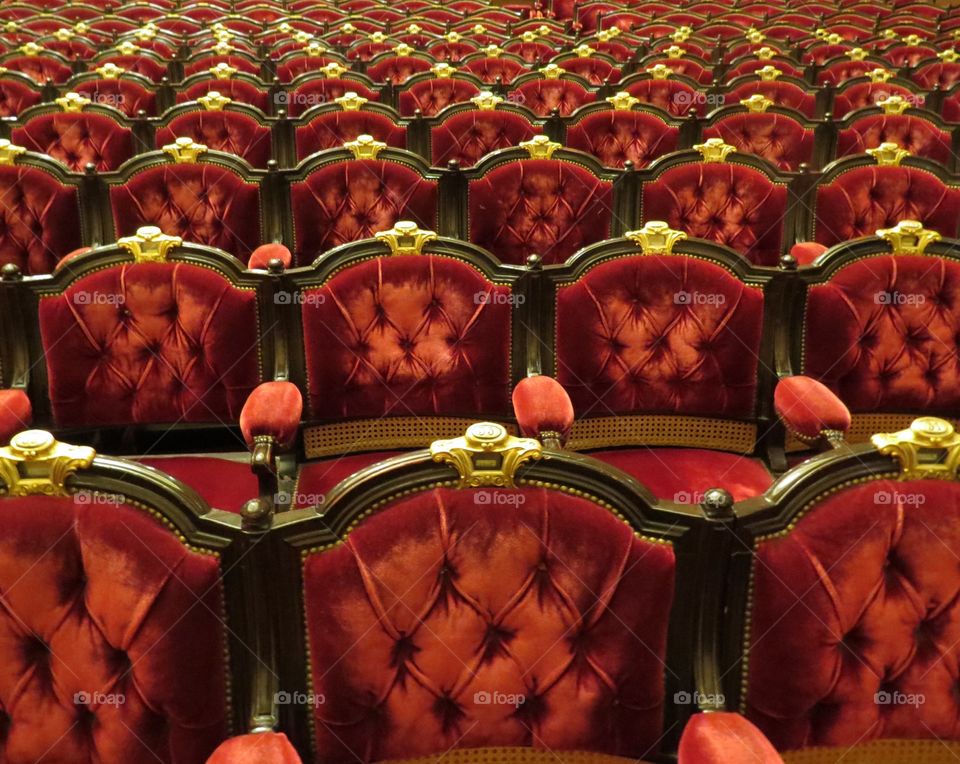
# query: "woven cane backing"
{"type": "Point", "coordinates": [881, 752]}
{"type": "Point", "coordinates": [662, 430]}
{"type": "Point", "coordinates": [517, 755]}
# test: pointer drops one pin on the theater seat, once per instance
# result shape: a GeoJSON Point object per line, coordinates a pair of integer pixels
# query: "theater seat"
{"type": "Point", "coordinates": [77, 139]}
{"type": "Point", "coordinates": [542, 96]}
{"type": "Point", "coordinates": [466, 136]}
{"type": "Point", "coordinates": [617, 136]}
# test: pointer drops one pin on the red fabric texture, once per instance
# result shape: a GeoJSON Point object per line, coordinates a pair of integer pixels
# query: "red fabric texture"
{"type": "Point", "coordinates": [855, 614]}
{"type": "Point", "coordinates": [149, 343]}
{"type": "Point", "coordinates": [440, 598]}
{"type": "Point", "coordinates": [547, 207]}
{"type": "Point", "coordinates": [227, 131]}
{"type": "Point", "coordinates": [724, 202]}
{"type": "Point", "coordinates": [531, 52]}
{"type": "Point", "coordinates": [719, 738]}
{"type": "Point", "coordinates": [615, 137]}
{"type": "Point", "coordinates": [333, 129]}
{"type": "Point", "coordinates": [317, 478]}
{"type": "Point", "coordinates": [221, 483]}
{"type": "Point", "coordinates": [293, 68]}
{"type": "Point", "coordinates": [203, 203]}
{"type": "Point", "coordinates": [39, 219]}
{"type": "Point", "coordinates": [204, 63]}
{"type": "Point", "coordinates": [943, 75]}
{"type": "Point", "coordinates": [99, 601]}
{"type": "Point", "coordinates": [781, 93]}
{"type": "Point", "coordinates": [15, 97]}
{"type": "Point", "coordinates": [749, 67]}
{"type": "Point", "coordinates": [837, 74]}
{"type": "Point", "coordinates": [543, 96]}
{"type": "Point", "coordinates": [805, 252]}
{"type": "Point", "coordinates": [354, 199]}
{"type": "Point", "coordinates": [865, 94]}
{"type": "Point", "coordinates": [77, 139]}
{"type": "Point", "coordinates": [776, 137]}
{"type": "Point", "coordinates": [676, 98]}
{"type": "Point", "coordinates": [686, 67]}
{"type": "Point", "coordinates": [72, 256]}
{"type": "Point", "coordinates": [261, 748]}
{"type": "Point", "coordinates": [882, 334]}
{"type": "Point", "coordinates": [809, 407]}
{"type": "Point", "coordinates": [317, 92]}
{"type": "Point", "coordinates": [596, 71]}
{"type": "Point", "coordinates": [407, 336]}
{"type": "Point", "coordinates": [397, 69]}
{"type": "Point", "coordinates": [431, 96]}
{"type": "Point", "coordinates": [542, 405]}
{"type": "Point", "coordinates": [237, 90]}
{"type": "Point", "coordinates": [918, 136]}
{"type": "Point", "coordinates": [468, 136]}
{"type": "Point", "coordinates": [860, 201]}
{"type": "Point", "coordinates": [273, 408]}
{"type": "Point", "coordinates": [16, 413]}
{"type": "Point", "coordinates": [150, 68]}
{"type": "Point", "coordinates": [39, 68]}
{"type": "Point", "coordinates": [263, 254]}
{"type": "Point", "coordinates": [129, 97]}
{"type": "Point", "coordinates": [658, 334]}
{"type": "Point", "coordinates": [489, 69]}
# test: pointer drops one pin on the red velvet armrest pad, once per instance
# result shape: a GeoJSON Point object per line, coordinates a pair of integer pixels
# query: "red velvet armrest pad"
{"type": "Point", "coordinates": [273, 408]}
{"type": "Point", "coordinates": [16, 413]}
{"type": "Point", "coordinates": [260, 257]}
{"type": "Point", "coordinates": [805, 252]}
{"type": "Point", "coordinates": [260, 748]}
{"type": "Point", "coordinates": [542, 405]}
{"type": "Point", "coordinates": [808, 407]}
{"type": "Point", "coordinates": [722, 738]}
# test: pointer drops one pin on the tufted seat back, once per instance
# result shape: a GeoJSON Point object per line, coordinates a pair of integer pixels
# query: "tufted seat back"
{"type": "Point", "coordinates": [202, 203]}
{"type": "Point", "coordinates": [686, 67]}
{"type": "Point", "coordinates": [752, 65]}
{"type": "Point", "coordinates": [676, 98]}
{"type": "Point", "coordinates": [543, 96]}
{"type": "Point", "coordinates": [99, 603]}
{"type": "Point", "coordinates": [866, 94]}
{"type": "Point", "coordinates": [854, 623]}
{"type": "Point", "coordinates": [39, 68]}
{"type": "Point", "coordinates": [781, 93]}
{"type": "Point", "coordinates": [434, 617]}
{"type": "Point", "coordinates": [916, 135]}
{"type": "Point", "coordinates": [15, 97]}
{"type": "Point", "coordinates": [538, 206]}
{"type": "Point", "coordinates": [639, 335]}
{"type": "Point", "coordinates": [129, 97]}
{"type": "Point", "coordinates": [227, 131]}
{"type": "Point", "coordinates": [488, 69]}
{"type": "Point", "coordinates": [289, 70]}
{"type": "Point", "coordinates": [531, 52]}
{"type": "Point", "coordinates": [150, 68]}
{"type": "Point", "coordinates": [776, 137]}
{"type": "Point", "coordinates": [454, 52]}
{"type": "Point", "coordinates": [407, 336]}
{"type": "Point", "coordinates": [615, 137]}
{"type": "Point", "coordinates": [902, 56]}
{"type": "Point", "coordinates": [237, 90]}
{"type": "Point", "coordinates": [595, 70]}
{"type": "Point", "coordinates": [728, 203]}
{"type": "Point", "coordinates": [333, 129]}
{"type": "Point", "coordinates": [943, 75]}
{"type": "Point", "coordinates": [39, 219]}
{"type": "Point", "coordinates": [431, 96]}
{"type": "Point", "coordinates": [351, 200]}
{"type": "Point", "coordinates": [76, 139]}
{"type": "Point", "coordinates": [470, 135]}
{"type": "Point", "coordinates": [323, 91]}
{"type": "Point", "coordinates": [204, 63]}
{"type": "Point", "coordinates": [837, 74]}
{"type": "Point", "coordinates": [860, 201]}
{"type": "Point", "coordinates": [397, 69]}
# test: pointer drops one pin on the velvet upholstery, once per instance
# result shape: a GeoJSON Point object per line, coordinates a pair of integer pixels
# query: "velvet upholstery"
{"type": "Point", "coordinates": [316, 92]}
{"type": "Point", "coordinates": [950, 108]}
{"type": "Point", "coordinates": [781, 93]}
{"type": "Point", "coordinates": [237, 90]}
{"type": "Point", "coordinates": [129, 97]}
{"type": "Point", "coordinates": [260, 748]}
{"type": "Point", "coordinates": [882, 334]}
{"type": "Point", "coordinates": [724, 202]}
{"type": "Point", "coordinates": [205, 62]}
{"type": "Point", "coordinates": [724, 737]}
{"type": "Point", "coordinates": [408, 629]}
{"type": "Point", "coordinates": [628, 341]}
{"type": "Point", "coordinates": [397, 69]}
{"type": "Point", "coordinates": [273, 409]}
{"type": "Point", "coordinates": [838, 73]}
{"type": "Point", "coordinates": [865, 94]}
{"type": "Point", "coordinates": [39, 68]}
{"type": "Point", "coordinates": [752, 65]}
{"type": "Point", "coordinates": [203, 203]}
{"type": "Point", "coordinates": [538, 206]}
{"type": "Point", "coordinates": [942, 75]}
{"type": "Point", "coordinates": [777, 138]}
{"type": "Point", "coordinates": [317, 478]}
{"type": "Point", "coordinates": [805, 252]}
{"type": "Point", "coordinates": [469, 135]}
{"type": "Point", "coordinates": [686, 67]}
{"type": "Point", "coordinates": [916, 135]}
{"type": "Point", "coordinates": [489, 69]}
{"type": "Point", "coordinates": [407, 336]}
{"type": "Point", "coordinates": [16, 413]}
{"type": "Point", "coordinates": [77, 139]}
{"type": "Point", "coordinates": [30, 201]}
{"type": "Point", "coordinates": [808, 407]}
{"type": "Point", "coordinates": [164, 342]}
{"type": "Point", "coordinates": [298, 65]}
{"type": "Point", "coordinates": [351, 200]}
{"type": "Point", "coordinates": [430, 96]}
{"type": "Point", "coordinates": [862, 200]}
{"type": "Point", "coordinates": [100, 600]}
{"type": "Point", "coordinates": [332, 129]}
{"type": "Point", "coordinates": [150, 68]}
{"type": "Point", "coordinates": [673, 96]}
{"type": "Point", "coordinates": [595, 70]}
{"type": "Point", "coordinates": [15, 97]}
{"type": "Point", "coordinates": [543, 96]}
{"type": "Point", "coordinates": [226, 131]}
{"type": "Point", "coordinates": [262, 255]}
{"type": "Point", "coordinates": [222, 483]}
{"type": "Point", "coordinates": [615, 137]}
{"type": "Point", "coordinates": [534, 53]}
{"type": "Point", "coordinates": [540, 405]}
{"type": "Point", "coordinates": [855, 614]}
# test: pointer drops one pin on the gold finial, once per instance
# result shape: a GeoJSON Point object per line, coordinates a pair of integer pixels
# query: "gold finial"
{"type": "Point", "coordinates": [584, 51]}
{"type": "Point", "coordinates": [714, 150]}
{"type": "Point", "coordinates": [529, 36]}
{"type": "Point", "coordinates": [486, 101]}
{"type": "Point", "coordinates": [417, 29]}
{"type": "Point", "coordinates": [9, 152]}
{"type": "Point", "coordinates": [31, 49]}
{"type": "Point", "coordinates": [675, 51]}
{"type": "Point", "coordinates": [223, 35]}
{"type": "Point", "coordinates": [81, 28]}
{"type": "Point", "coordinates": [285, 28]}
{"type": "Point", "coordinates": [757, 103]}
{"type": "Point", "coordinates": [912, 40]}
{"type": "Point", "coordinates": [314, 49]}
{"type": "Point", "coordinates": [348, 28]}
{"type": "Point", "coordinates": [908, 237]}
{"type": "Point", "coordinates": [11, 26]}
{"type": "Point", "coordinates": [888, 154]}
{"type": "Point", "coordinates": [540, 147]}
{"type": "Point", "coordinates": [768, 73]}
{"type": "Point", "coordinates": [755, 36]}
{"type": "Point", "coordinates": [405, 238]}
{"type": "Point", "coordinates": [765, 53]}
{"type": "Point", "coordinates": [127, 48]}
{"type": "Point", "coordinates": [453, 37]}
{"type": "Point", "coordinates": [889, 34]}
{"type": "Point", "coordinates": [365, 147]}
{"type": "Point", "coordinates": [72, 102]}
{"type": "Point", "coordinates": [35, 463]}
{"type": "Point", "coordinates": [333, 70]}
{"type": "Point", "coordinates": [879, 74]}
{"type": "Point", "coordinates": [833, 39]}
{"type": "Point", "coordinates": [110, 71]}
{"type": "Point", "coordinates": [929, 449]}
{"type": "Point", "coordinates": [443, 70]}
{"type": "Point", "coordinates": [605, 35]}
{"type": "Point", "coordinates": [479, 29]}
{"type": "Point", "coordinates": [681, 34]}
{"type": "Point", "coordinates": [302, 37]}
{"type": "Point", "coordinates": [223, 71]}
{"type": "Point", "coordinates": [948, 56]}
{"type": "Point", "coordinates": [350, 101]}
{"type": "Point", "coordinates": [656, 238]}
{"type": "Point", "coordinates": [543, 30]}
{"type": "Point", "coordinates": [213, 101]}
{"type": "Point", "coordinates": [660, 72]}
{"type": "Point", "coordinates": [493, 51]}
{"type": "Point", "coordinates": [622, 101]}
{"type": "Point", "coordinates": [377, 37]}
{"type": "Point", "coordinates": [149, 244]}
{"type": "Point", "coordinates": [487, 455]}
{"type": "Point", "coordinates": [552, 72]}
{"type": "Point", "coordinates": [402, 49]}
{"type": "Point", "coordinates": [894, 104]}
{"type": "Point", "coordinates": [819, 33]}
{"type": "Point", "coordinates": [857, 54]}
{"type": "Point", "coordinates": [184, 150]}
{"type": "Point", "coordinates": [64, 34]}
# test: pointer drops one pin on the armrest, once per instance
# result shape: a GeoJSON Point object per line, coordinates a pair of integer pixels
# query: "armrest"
{"type": "Point", "coordinates": [260, 257]}
{"type": "Point", "coordinates": [256, 748]}
{"type": "Point", "coordinates": [805, 252]}
{"type": "Point", "coordinates": [16, 413]}
{"type": "Point", "coordinates": [270, 420]}
{"type": "Point", "coordinates": [810, 410]}
{"type": "Point", "coordinates": [721, 738]}
{"type": "Point", "coordinates": [543, 410]}
{"type": "Point", "coordinates": [71, 256]}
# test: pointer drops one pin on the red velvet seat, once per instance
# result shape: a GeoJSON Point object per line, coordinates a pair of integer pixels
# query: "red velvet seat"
{"type": "Point", "coordinates": [317, 92]}
{"type": "Point", "coordinates": [840, 72]}
{"type": "Point", "coordinates": [751, 65]}
{"type": "Point", "coordinates": [432, 95]}
{"type": "Point", "coordinates": [151, 67]}
{"type": "Point", "coordinates": [686, 67]}
{"type": "Point", "coordinates": [618, 136]}
{"type": "Point", "coordinates": [915, 134]}
{"type": "Point", "coordinates": [942, 75]}
{"type": "Point", "coordinates": [786, 94]}
{"type": "Point", "coordinates": [596, 71]}
{"type": "Point", "coordinates": [39, 68]}
{"type": "Point", "coordinates": [16, 96]}
{"type": "Point", "coordinates": [863, 95]}
{"type": "Point", "coordinates": [237, 90]}
{"type": "Point", "coordinates": [777, 136]}
{"type": "Point", "coordinates": [129, 96]}
{"type": "Point", "coordinates": [397, 69]}
{"type": "Point", "coordinates": [222, 483]}
{"type": "Point", "coordinates": [205, 62]}
{"type": "Point", "coordinates": [233, 131]}
{"type": "Point", "coordinates": [291, 68]}
{"type": "Point", "coordinates": [490, 69]}
{"type": "Point", "coordinates": [77, 139]}
{"type": "Point", "coordinates": [674, 96]}
{"type": "Point", "coordinates": [542, 96]}
{"type": "Point", "coordinates": [331, 127]}
{"type": "Point", "coordinates": [466, 136]}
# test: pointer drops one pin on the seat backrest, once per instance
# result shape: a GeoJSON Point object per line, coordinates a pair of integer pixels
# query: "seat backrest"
{"type": "Point", "coordinates": [618, 136]}
{"type": "Point", "coordinates": [77, 139]}
{"type": "Point", "coordinates": [945, 75]}
{"type": "Point", "coordinates": [595, 70]}
{"type": "Point", "coordinates": [467, 136]}
{"type": "Point", "coordinates": [331, 129]}
{"type": "Point", "coordinates": [840, 72]}
{"type": "Point", "coordinates": [397, 69]}
{"type": "Point", "coordinates": [236, 90]}
{"type": "Point", "coordinates": [16, 97]}
{"type": "Point", "coordinates": [293, 67]}
{"type": "Point", "coordinates": [784, 94]}
{"type": "Point", "coordinates": [321, 91]}
{"type": "Point", "coordinates": [489, 69]}
{"type": "Point", "coordinates": [151, 68]}
{"type": "Point", "coordinates": [674, 97]}
{"type": "Point", "coordinates": [129, 97]}
{"type": "Point", "coordinates": [40, 68]}
{"type": "Point", "coordinates": [778, 138]}
{"type": "Point", "coordinates": [915, 134]}
{"type": "Point", "coordinates": [542, 96]}
{"type": "Point", "coordinates": [432, 95]}
{"type": "Point", "coordinates": [865, 94]}
{"type": "Point", "coordinates": [228, 131]}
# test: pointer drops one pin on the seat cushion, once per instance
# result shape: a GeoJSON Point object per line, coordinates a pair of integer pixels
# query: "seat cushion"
{"type": "Point", "coordinates": [222, 483]}
{"type": "Point", "coordinates": [317, 478]}
{"type": "Point", "coordinates": [684, 474]}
